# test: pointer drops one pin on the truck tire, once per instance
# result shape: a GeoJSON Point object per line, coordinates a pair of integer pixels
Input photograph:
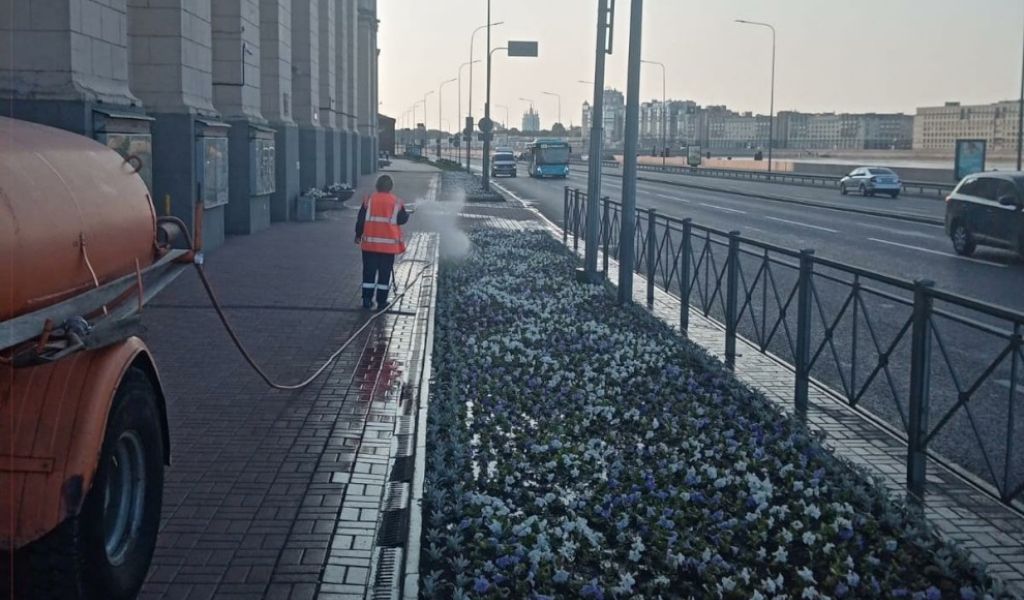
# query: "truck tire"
{"type": "Point", "coordinates": [104, 552]}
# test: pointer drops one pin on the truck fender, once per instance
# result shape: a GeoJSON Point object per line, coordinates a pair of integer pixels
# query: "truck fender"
{"type": "Point", "coordinates": [61, 412]}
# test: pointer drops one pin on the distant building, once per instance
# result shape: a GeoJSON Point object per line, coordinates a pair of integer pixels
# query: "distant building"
{"type": "Point", "coordinates": [531, 120]}
{"type": "Point", "coordinates": [614, 118]}
{"type": "Point", "coordinates": [386, 134]}
{"type": "Point", "coordinates": [728, 130]}
{"type": "Point", "coordinates": [938, 127]}
{"type": "Point", "coordinates": [846, 131]}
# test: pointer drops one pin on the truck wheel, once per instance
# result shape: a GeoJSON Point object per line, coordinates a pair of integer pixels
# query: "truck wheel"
{"type": "Point", "coordinates": [104, 552]}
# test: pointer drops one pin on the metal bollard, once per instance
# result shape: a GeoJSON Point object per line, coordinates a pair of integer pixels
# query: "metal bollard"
{"type": "Point", "coordinates": [920, 368]}
{"type": "Point", "coordinates": [565, 215]}
{"type": "Point", "coordinates": [732, 298]}
{"type": "Point", "coordinates": [684, 277]}
{"type": "Point", "coordinates": [652, 252]}
{"type": "Point", "coordinates": [575, 220]}
{"type": "Point", "coordinates": [802, 360]}
{"type": "Point", "coordinates": [605, 233]}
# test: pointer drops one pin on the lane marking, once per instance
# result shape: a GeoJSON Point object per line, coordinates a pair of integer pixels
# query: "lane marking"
{"type": "Point", "coordinates": [732, 210]}
{"type": "Point", "coordinates": [939, 253]}
{"type": "Point", "coordinates": [1006, 384]}
{"type": "Point", "coordinates": [802, 224]}
{"type": "Point", "coordinates": [668, 197]}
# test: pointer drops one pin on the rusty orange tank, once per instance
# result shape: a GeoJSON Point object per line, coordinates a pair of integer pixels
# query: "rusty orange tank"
{"type": "Point", "coordinates": [58, 189]}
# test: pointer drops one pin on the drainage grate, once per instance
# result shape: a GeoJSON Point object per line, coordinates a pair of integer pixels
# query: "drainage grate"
{"type": "Point", "coordinates": [394, 528]}
{"type": "Point", "coordinates": [405, 446]}
{"type": "Point", "coordinates": [404, 425]}
{"type": "Point", "coordinates": [386, 582]}
{"type": "Point", "coordinates": [403, 468]}
{"type": "Point", "coordinates": [396, 497]}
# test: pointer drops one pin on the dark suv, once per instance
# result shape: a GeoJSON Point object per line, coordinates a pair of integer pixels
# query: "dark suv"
{"type": "Point", "coordinates": [988, 209]}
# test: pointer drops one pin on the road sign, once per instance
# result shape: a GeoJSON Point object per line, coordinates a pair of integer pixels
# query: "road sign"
{"type": "Point", "coordinates": [486, 125]}
{"type": "Point", "coordinates": [522, 48]}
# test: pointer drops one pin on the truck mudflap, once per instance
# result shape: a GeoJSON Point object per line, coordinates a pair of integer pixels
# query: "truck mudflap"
{"type": "Point", "coordinates": [52, 431]}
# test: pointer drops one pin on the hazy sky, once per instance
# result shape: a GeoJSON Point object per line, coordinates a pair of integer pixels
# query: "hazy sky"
{"type": "Point", "coordinates": [832, 55]}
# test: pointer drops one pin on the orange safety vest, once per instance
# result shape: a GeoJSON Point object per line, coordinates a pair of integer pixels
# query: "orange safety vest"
{"type": "Point", "coordinates": [381, 232]}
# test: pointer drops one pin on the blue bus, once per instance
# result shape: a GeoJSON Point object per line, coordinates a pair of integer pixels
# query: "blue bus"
{"type": "Point", "coordinates": [549, 157]}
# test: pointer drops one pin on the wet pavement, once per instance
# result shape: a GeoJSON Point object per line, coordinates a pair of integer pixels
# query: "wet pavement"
{"type": "Point", "coordinates": [290, 494]}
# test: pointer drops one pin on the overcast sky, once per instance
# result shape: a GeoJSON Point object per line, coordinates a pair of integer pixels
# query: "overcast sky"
{"type": "Point", "coordinates": [857, 56]}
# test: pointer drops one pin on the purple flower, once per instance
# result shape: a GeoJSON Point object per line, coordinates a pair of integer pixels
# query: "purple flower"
{"type": "Point", "coordinates": [592, 590]}
{"type": "Point", "coordinates": [845, 534]}
{"type": "Point", "coordinates": [900, 593]}
{"type": "Point", "coordinates": [841, 590]}
{"type": "Point", "coordinates": [967, 593]}
{"type": "Point", "coordinates": [933, 593]}
{"type": "Point", "coordinates": [481, 585]}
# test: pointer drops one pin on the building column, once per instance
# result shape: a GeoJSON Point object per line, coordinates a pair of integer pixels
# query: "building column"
{"type": "Point", "coordinates": [352, 87]}
{"type": "Point", "coordinates": [306, 85]}
{"type": "Point", "coordinates": [236, 95]}
{"type": "Point", "coordinates": [367, 110]}
{"type": "Point", "coordinates": [344, 24]}
{"type": "Point", "coordinates": [276, 103]}
{"type": "Point", "coordinates": [328, 101]}
{"type": "Point", "coordinates": [170, 68]}
{"type": "Point", "coordinates": [65, 64]}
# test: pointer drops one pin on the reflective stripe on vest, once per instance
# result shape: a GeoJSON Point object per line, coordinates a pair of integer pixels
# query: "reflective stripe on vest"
{"type": "Point", "coordinates": [381, 232]}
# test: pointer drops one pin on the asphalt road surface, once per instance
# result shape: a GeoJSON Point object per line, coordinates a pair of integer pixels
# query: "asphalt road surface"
{"type": "Point", "coordinates": [975, 438]}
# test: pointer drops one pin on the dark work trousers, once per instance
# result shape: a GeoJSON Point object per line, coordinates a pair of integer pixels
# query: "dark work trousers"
{"type": "Point", "coordinates": [377, 268]}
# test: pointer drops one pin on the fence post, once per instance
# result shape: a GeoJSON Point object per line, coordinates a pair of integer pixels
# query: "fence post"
{"type": "Point", "coordinates": [575, 220]}
{"type": "Point", "coordinates": [732, 298]}
{"type": "Point", "coordinates": [803, 333]}
{"type": "Point", "coordinates": [565, 215]}
{"type": "Point", "coordinates": [920, 370]}
{"type": "Point", "coordinates": [684, 277]}
{"type": "Point", "coordinates": [606, 233]}
{"type": "Point", "coordinates": [652, 252]}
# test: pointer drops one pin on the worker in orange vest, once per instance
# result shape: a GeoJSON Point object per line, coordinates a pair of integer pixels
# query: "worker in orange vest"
{"type": "Point", "coordinates": [379, 235]}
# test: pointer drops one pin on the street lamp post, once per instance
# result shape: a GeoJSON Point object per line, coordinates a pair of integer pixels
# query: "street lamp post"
{"type": "Point", "coordinates": [627, 228]}
{"type": "Point", "coordinates": [559, 103]}
{"type": "Point", "coordinates": [771, 105]}
{"type": "Point", "coordinates": [439, 105]}
{"type": "Point", "coordinates": [1020, 115]}
{"type": "Point", "coordinates": [426, 129]}
{"type": "Point", "coordinates": [664, 107]}
{"type": "Point", "coordinates": [458, 129]}
{"type": "Point", "coordinates": [506, 121]}
{"type": "Point", "coordinates": [469, 142]}
{"type": "Point", "coordinates": [605, 20]}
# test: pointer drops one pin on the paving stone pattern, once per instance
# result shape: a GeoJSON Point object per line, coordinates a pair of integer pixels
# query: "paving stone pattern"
{"type": "Point", "coordinates": [275, 494]}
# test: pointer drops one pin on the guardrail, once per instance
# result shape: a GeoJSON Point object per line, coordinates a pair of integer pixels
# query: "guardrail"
{"type": "Point", "coordinates": [923, 188]}
{"type": "Point", "coordinates": [940, 371]}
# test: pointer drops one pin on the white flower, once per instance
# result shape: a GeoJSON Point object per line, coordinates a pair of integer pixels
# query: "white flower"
{"type": "Point", "coordinates": [809, 538]}
{"type": "Point", "coordinates": [806, 574]}
{"type": "Point", "coordinates": [780, 555]}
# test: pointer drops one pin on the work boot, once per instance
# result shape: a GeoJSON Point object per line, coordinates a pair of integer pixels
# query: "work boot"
{"type": "Point", "coordinates": [368, 302]}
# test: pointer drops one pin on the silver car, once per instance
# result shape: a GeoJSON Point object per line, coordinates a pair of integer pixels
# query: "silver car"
{"type": "Point", "coordinates": [869, 181]}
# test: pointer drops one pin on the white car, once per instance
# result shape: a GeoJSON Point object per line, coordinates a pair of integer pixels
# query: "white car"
{"type": "Point", "coordinates": [868, 181]}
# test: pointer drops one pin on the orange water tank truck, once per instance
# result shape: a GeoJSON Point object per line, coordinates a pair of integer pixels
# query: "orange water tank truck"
{"type": "Point", "coordinates": [83, 425]}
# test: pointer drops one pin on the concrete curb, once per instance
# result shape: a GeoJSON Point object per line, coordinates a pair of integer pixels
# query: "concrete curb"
{"type": "Point", "coordinates": [773, 198]}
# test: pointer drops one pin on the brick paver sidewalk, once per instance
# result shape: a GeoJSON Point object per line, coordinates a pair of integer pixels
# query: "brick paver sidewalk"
{"type": "Point", "coordinates": [271, 493]}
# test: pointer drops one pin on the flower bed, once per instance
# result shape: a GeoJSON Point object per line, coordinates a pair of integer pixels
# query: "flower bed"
{"type": "Point", "coordinates": [581, 450]}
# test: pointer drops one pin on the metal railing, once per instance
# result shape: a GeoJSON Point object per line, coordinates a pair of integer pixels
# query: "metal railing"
{"type": "Point", "coordinates": [942, 372]}
{"type": "Point", "coordinates": [922, 188]}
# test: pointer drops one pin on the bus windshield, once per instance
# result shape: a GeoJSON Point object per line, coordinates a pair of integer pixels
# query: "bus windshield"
{"type": "Point", "coordinates": [552, 155]}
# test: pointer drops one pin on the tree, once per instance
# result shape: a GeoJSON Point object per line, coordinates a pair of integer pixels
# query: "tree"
{"type": "Point", "coordinates": [558, 129]}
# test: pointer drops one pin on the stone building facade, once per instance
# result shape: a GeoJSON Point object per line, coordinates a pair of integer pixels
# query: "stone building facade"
{"type": "Point", "coordinates": [239, 105]}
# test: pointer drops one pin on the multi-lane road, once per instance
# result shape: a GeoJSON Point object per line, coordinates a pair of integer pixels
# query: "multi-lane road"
{"type": "Point", "coordinates": [886, 244]}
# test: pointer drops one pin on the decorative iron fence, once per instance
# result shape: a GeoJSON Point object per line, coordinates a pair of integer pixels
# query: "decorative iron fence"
{"type": "Point", "coordinates": [942, 371]}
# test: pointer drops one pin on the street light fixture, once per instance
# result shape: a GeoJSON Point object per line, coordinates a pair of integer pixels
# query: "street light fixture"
{"type": "Point", "coordinates": [459, 127]}
{"type": "Point", "coordinates": [514, 49]}
{"type": "Point", "coordinates": [439, 105]}
{"type": "Point", "coordinates": [771, 106]}
{"type": "Point", "coordinates": [559, 104]}
{"type": "Point", "coordinates": [469, 144]}
{"type": "Point", "coordinates": [664, 107]}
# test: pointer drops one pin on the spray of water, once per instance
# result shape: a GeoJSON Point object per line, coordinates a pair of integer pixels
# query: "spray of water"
{"type": "Point", "coordinates": [441, 214]}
